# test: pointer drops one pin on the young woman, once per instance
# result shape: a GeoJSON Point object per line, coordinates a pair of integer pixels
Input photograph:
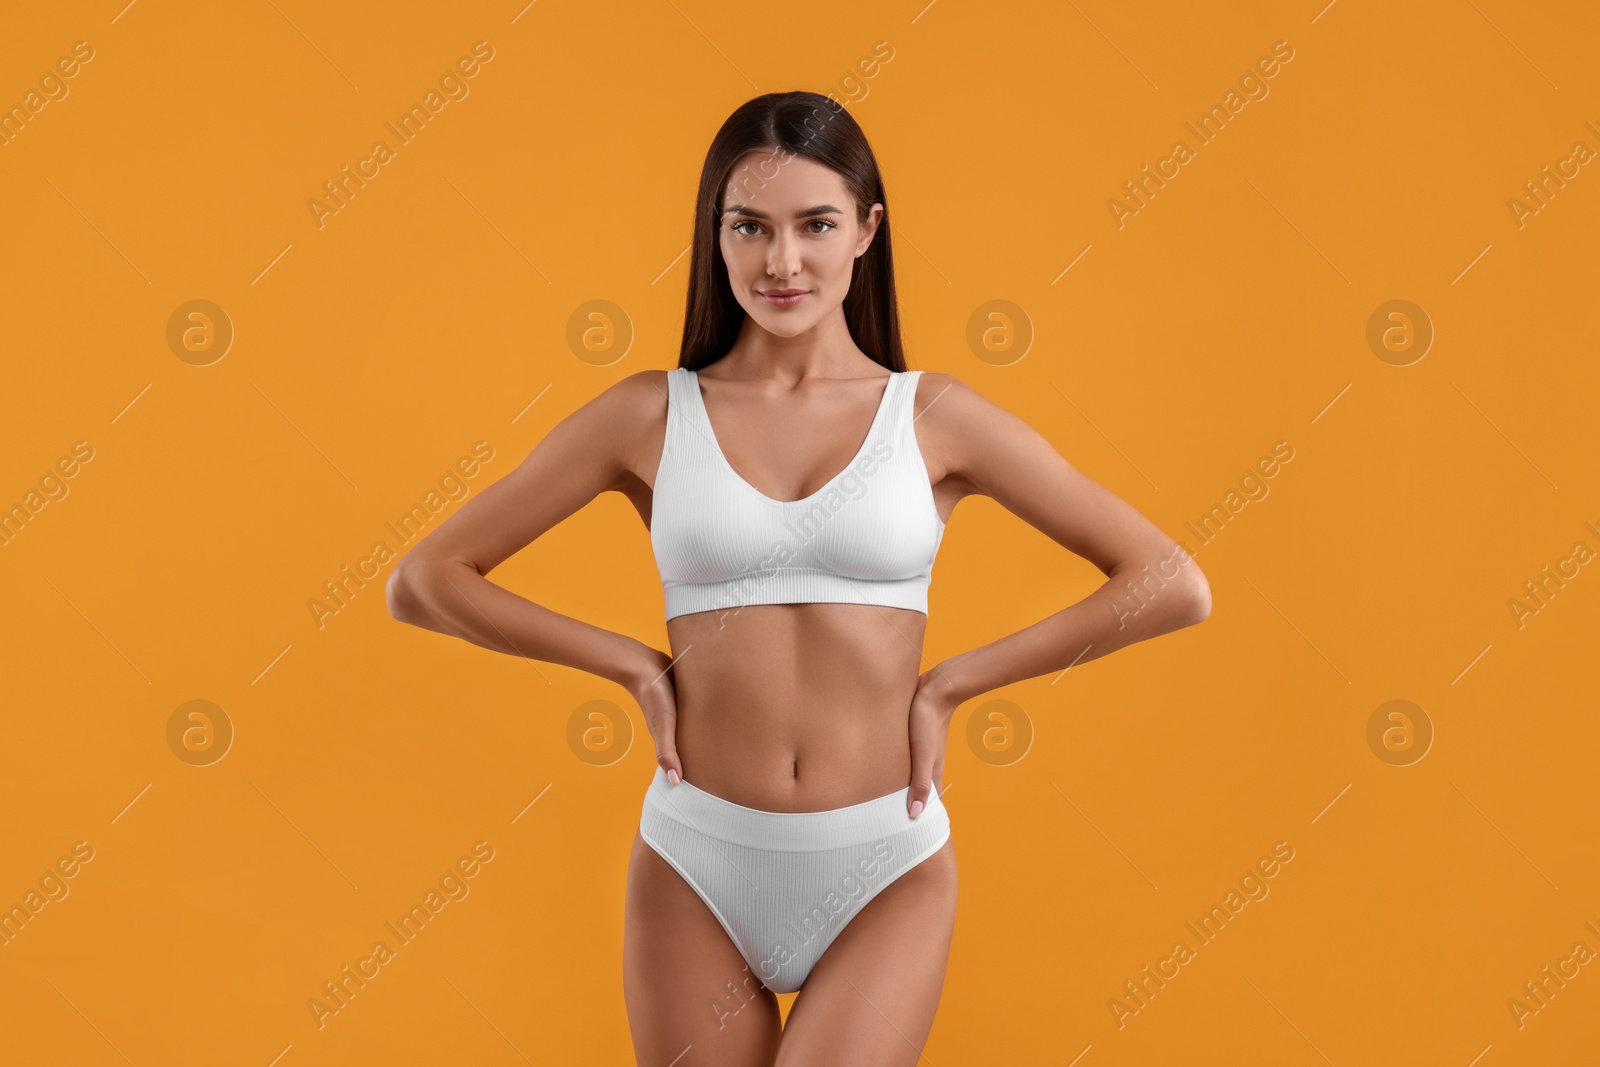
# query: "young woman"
{"type": "Point", "coordinates": [795, 479]}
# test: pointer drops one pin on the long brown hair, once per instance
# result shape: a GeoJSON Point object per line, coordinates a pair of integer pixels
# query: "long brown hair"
{"type": "Point", "coordinates": [787, 124]}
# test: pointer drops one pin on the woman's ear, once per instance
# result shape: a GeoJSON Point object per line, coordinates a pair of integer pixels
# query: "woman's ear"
{"type": "Point", "coordinates": [869, 228]}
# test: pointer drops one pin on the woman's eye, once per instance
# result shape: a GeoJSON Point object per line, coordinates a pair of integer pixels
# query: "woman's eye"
{"type": "Point", "coordinates": [738, 227]}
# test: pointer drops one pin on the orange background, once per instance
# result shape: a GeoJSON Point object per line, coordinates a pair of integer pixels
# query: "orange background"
{"type": "Point", "coordinates": [435, 310]}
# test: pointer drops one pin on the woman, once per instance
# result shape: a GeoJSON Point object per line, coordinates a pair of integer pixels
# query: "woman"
{"type": "Point", "coordinates": [796, 480]}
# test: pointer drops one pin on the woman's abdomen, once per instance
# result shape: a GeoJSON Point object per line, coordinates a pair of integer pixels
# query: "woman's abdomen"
{"type": "Point", "coordinates": [796, 707]}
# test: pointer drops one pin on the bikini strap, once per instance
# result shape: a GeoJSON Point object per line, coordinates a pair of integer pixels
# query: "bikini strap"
{"type": "Point", "coordinates": [906, 403]}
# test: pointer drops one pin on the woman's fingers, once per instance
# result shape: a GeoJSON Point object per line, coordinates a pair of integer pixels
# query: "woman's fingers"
{"type": "Point", "coordinates": [658, 699]}
{"type": "Point", "coordinates": [664, 731]}
{"type": "Point", "coordinates": [927, 742]}
{"type": "Point", "coordinates": [667, 757]}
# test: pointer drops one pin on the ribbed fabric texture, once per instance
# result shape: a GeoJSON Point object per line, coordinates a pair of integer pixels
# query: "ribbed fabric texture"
{"type": "Point", "coordinates": [868, 536]}
{"type": "Point", "coordinates": [784, 884]}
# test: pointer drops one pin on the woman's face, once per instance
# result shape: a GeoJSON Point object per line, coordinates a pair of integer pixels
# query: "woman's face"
{"type": "Point", "coordinates": [790, 226]}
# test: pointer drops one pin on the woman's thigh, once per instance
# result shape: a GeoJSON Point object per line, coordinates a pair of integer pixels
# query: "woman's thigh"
{"type": "Point", "coordinates": [871, 998]}
{"type": "Point", "coordinates": [688, 990]}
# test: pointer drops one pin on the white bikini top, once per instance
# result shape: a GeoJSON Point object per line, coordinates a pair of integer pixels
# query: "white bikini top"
{"type": "Point", "coordinates": [869, 536]}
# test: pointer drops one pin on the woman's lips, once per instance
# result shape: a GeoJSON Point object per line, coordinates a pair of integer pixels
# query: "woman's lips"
{"type": "Point", "coordinates": [785, 301]}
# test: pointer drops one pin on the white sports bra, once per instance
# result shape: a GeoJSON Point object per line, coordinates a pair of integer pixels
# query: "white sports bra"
{"type": "Point", "coordinates": [869, 536]}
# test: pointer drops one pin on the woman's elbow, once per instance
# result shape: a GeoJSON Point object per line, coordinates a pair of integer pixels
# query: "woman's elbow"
{"type": "Point", "coordinates": [1199, 599]}
{"type": "Point", "coordinates": [401, 593]}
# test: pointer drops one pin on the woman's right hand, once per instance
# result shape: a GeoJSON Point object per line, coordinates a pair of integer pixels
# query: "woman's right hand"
{"type": "Point", "coordinates": [653, 687]}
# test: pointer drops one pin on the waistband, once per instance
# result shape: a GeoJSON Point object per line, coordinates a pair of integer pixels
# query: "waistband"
{"type": "Point", "coordinates": [795, 831]}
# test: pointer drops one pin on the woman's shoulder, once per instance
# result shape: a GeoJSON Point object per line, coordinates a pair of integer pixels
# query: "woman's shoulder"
{"type": "Point", "coordinates": [643, 390]}
{"type": "Point", "coordinates": [937, 387]}
{"type": "Point", "coordinates": [952, 417]}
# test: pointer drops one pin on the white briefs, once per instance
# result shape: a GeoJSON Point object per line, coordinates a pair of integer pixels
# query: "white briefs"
{"type": "Point", "coordinates": [784, 884]}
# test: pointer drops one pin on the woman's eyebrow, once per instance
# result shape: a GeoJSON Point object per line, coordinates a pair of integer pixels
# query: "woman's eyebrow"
{"type": "Point", "coordinates": [820, 209]}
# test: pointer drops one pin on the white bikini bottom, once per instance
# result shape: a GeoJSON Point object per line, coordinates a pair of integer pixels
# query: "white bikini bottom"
{"type": "Point", "coordinates": [783, 884]}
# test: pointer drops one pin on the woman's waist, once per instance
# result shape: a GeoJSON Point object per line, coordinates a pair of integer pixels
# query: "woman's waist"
{"type": "Point", "coordinates": [881, 821]}
{"type": "Point", "coordinates": [776, 760]}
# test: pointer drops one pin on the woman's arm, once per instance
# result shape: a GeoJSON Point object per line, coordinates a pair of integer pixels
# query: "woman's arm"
{"type": "Point", "coordinates": [1153, 587]}
{"type": "Point", "coordinates": [441, 584]}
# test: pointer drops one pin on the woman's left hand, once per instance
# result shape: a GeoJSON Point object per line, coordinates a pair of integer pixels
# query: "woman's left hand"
{"type": "Point", "coordinates": [932, 707]}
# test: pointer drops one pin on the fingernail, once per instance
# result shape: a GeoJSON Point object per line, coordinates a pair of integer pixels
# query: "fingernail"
{"type": "Point", "coordinates": [672, 776]}
{"type": "Point", "coordinates": [916, 808]}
